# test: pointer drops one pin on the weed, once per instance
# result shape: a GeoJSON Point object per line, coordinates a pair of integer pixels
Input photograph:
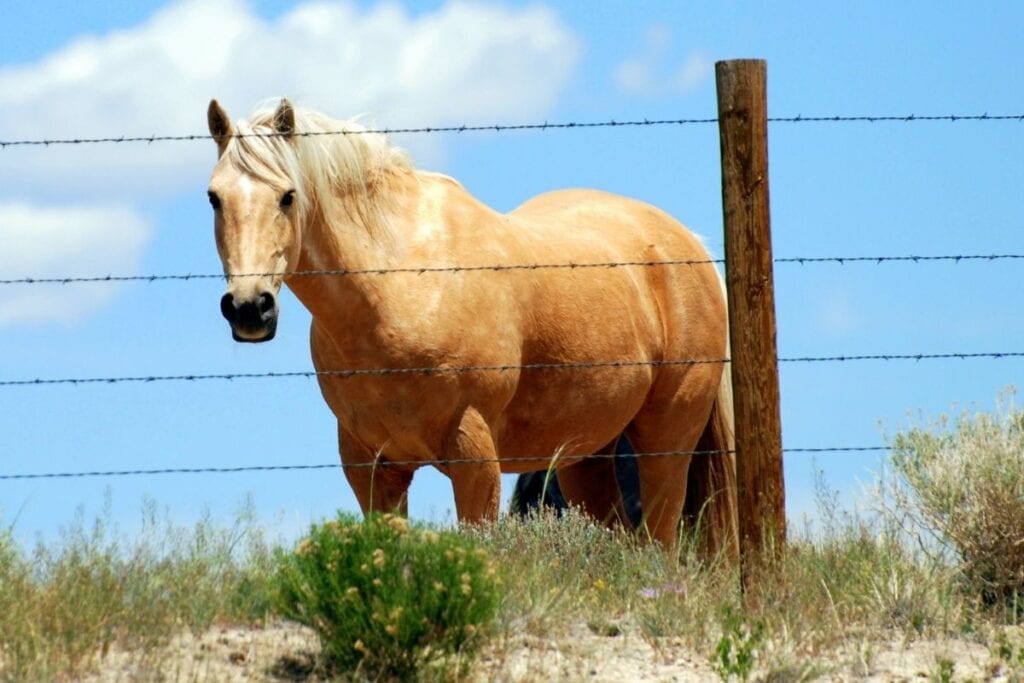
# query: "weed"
{"type": "Point", "coordinates": [943, 673]}
{"type": "Point", "coordinates": [1010, 655]}
{"type": "Point", "coordinates": [387, 598]}
{"type": "Point", "coordinates": [738, 648]}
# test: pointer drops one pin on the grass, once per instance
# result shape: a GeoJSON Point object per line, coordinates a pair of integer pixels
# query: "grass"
{"type": "Point", "coordinates": [843, 590]}
{"type": "Point", "coordinates": [64, 605]}
{"type": "Point", "coordinates": [843, 594]}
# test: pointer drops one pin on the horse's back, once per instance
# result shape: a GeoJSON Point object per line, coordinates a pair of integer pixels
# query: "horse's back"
{"type": "Point", "coordinates": [590, 226]}
{"type": "Point", "coordinates": [611, 217]}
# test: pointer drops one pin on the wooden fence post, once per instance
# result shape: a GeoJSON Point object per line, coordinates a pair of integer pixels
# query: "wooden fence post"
{"type": "Point", "coordinates": [743, 128]}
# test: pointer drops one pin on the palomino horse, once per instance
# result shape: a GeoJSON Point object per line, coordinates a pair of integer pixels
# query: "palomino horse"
{"type": "Point", "coordinates": [294, 191]}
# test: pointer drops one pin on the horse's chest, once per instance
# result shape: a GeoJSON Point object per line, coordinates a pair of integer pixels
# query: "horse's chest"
{"type": "Point", "coordinates": [382, 398]}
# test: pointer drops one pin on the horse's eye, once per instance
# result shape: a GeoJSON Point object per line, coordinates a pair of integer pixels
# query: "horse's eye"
{"type": "Point", "coordinates": [287, 199]}
{"type": "Point", "coordinates": [214, 200]}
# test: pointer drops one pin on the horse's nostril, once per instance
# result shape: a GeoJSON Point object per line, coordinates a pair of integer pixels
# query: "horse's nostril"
{"type": "Point", "coordinates": [266, 302]}
{"type": "Point", "coordinates": [227, 308]}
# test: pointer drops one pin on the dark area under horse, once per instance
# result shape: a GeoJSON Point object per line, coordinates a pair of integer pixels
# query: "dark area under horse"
{"type": "Point", "coordinates": [534, 489]}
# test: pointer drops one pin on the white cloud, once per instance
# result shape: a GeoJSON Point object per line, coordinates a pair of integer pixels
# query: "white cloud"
{"type": "Point", "coordinates": [654, 71]}
{"type": "Point", "coordinates": [694, 71]}
{"type": "Point", "coordinates": [464, 62]}
{"type": "Point", "coordinates": [838, 314]}
{"type": "Point", "coordinates": [64, 242]}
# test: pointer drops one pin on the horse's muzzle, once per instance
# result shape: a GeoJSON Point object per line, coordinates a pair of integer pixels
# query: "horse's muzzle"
{"type": "Point", "coordinates": [253, 320]}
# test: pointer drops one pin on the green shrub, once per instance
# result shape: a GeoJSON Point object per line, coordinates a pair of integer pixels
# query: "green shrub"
{"type": "Point", "coordinates": [387, 598]}
{"type": "Point", "coordinates": [963, 483]}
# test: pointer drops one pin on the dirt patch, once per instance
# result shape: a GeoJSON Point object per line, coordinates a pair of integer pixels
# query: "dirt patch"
{"type": "Point", "coordinates": [287, 652]}
{"type": "Point", "coordinates": [280, 652]}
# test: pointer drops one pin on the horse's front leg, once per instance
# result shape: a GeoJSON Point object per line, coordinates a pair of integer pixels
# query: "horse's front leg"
{"type": "Point", "coordinates": [476, 474]}
{"type": "Point", "coordinates": [379, 486]}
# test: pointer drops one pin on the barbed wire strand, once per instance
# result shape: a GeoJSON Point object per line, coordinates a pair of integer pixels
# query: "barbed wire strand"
{"type": "Point", "coordinates": [401, 463]}
{"type": "Point", "coordinates": [800, 260]}
{"type": "Point", "coordinates": [423, 270]}
{"type": "Point", "coordinates": [440, 370]}
{"type": "Point", "coordinates": [504, 128]}
{"type": "Point", "coordinates": [362, 372]}
{"type": "Point", "coordinates": [906, 258]}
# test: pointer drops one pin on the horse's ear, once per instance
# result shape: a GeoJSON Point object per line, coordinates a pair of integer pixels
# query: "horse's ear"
{"type": "Point", "coordinates": [221, 129]}
{"type": "Point", "coordinates": [284, 119]}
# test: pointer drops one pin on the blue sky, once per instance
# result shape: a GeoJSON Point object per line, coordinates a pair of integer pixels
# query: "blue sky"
{"type": "Point", "coordinates": [106, 69]}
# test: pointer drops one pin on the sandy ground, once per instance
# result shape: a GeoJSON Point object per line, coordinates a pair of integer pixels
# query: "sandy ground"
{"type": "Point", "coordinates": [286, 652]}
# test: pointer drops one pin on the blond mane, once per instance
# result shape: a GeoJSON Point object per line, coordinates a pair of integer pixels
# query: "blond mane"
{"type": "Point", "coordinates": [326, 162]}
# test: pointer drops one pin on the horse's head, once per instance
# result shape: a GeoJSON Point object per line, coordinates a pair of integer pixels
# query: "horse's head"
{"type": "Point", "coordinates": [255, 197]}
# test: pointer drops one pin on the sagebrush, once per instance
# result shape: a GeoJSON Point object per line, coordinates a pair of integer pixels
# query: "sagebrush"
{"type": "Point", "coordinates": [960, 481]}
{"type": "Point", "coordinates": [388, 598]}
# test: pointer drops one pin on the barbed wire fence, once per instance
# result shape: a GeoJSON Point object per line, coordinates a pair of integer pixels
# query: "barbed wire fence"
{"type": "Point", "coordinates": [500, 267]}
{"type": "Point", "coordinates": [537, 126]}
{"type": "Point", "coordinates": [9, 383]}
{"type": "Point", "coordinates": [443, 370]}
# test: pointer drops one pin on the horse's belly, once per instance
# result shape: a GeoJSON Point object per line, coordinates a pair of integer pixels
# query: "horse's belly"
{"type": "Point", "coordinates": [555, 420]}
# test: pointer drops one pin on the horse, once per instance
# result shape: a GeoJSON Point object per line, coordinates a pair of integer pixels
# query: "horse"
{"type": "Point", "coordinates": [428, 354]}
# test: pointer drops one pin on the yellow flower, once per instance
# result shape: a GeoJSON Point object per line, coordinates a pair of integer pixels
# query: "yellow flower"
{"type": "Point", "coordinates": [305, 547]}
{"type": "Point", "coordinates": [351, 592]}
{"type": "Point", "coordinates": [600, 585]}
{"type": "Point", "coordinates": [470, 630]}
{"type": "Point", "coordinates": [480, 553]}
{"type": "Point", "coordinates": [438, 586]}
{"type": "Point", "coordinates": [377, 582]}
{"type": "Point", "coordinates": [399, 524]}
{"type": "Point", "coordinates": [465, 578]}
{"type": "Point", "coordinates": [391, 629]}
{"type": "Point", "coordinates": [358, 646]}
{"type": "Point", "coordinates": [430, 536]}
{"type": "Point", "coordinates": [378, 558]}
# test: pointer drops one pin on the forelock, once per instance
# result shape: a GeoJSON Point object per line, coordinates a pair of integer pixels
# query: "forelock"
{"type": "Point", "coordinates": [258, 151]}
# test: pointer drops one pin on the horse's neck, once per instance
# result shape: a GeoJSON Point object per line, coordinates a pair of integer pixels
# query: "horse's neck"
{"type": "Point", "coordinates": [360, 237]}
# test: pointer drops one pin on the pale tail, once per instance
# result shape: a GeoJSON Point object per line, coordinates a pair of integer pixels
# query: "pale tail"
{"type": "Point", "coordinates": [711, 485]}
